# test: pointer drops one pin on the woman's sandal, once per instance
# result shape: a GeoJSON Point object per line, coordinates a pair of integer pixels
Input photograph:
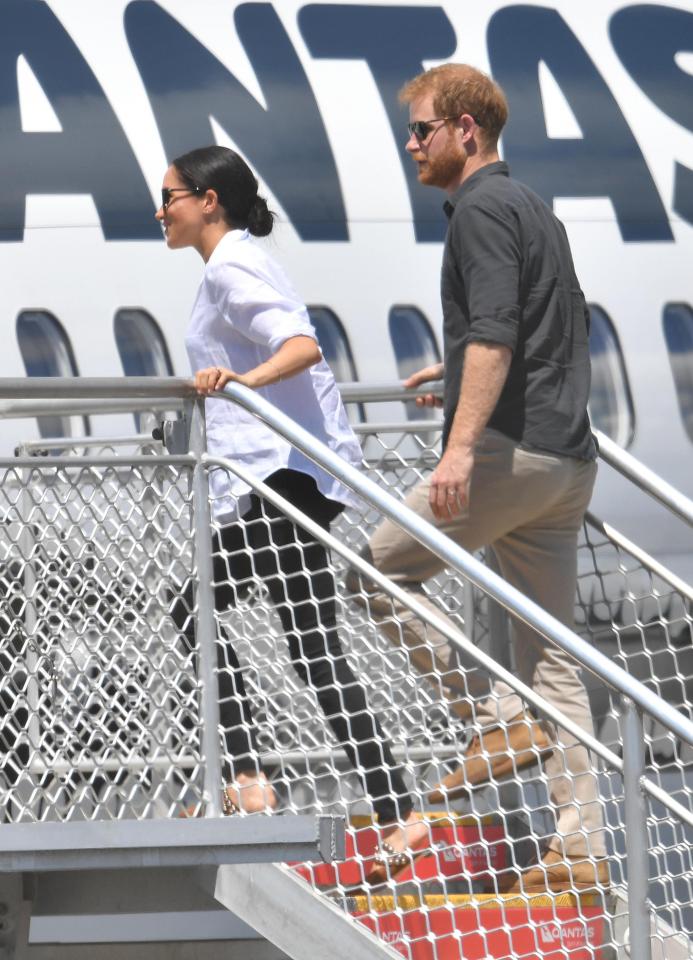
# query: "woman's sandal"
{"type": "Point", "coordinates": [227, 805]}
{"type": "Point", "coordinates": [394, 862]}
{"type": "Point", "coordinates": [387, 867]}
{"type": "Point", "coordinates": [228, 808]}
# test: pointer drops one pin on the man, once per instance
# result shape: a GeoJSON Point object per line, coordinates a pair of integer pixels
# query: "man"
{"type": "Point", "coordinates": [518, 463]}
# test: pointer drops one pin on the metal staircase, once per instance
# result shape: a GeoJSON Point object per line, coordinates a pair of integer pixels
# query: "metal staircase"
{"type": "Point", "coordinates": [109, 726]}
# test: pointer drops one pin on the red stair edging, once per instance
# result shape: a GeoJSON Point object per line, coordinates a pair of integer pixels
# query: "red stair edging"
{"type": "Point", "coordinates": [487, 927]}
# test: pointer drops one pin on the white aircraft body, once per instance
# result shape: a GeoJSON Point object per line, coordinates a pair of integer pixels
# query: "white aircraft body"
{"type": "Point", "coordinates": [97, 99]}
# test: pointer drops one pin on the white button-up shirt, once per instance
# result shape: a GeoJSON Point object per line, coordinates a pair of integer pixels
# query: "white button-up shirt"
{"type": "Point", "coordinates": [244, 311]}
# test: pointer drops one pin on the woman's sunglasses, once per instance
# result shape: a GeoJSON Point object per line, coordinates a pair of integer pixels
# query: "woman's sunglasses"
{"type": "Point", "coordinates": [167, 194]}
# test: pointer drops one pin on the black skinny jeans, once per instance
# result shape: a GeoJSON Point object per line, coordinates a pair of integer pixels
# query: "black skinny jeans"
{"type": "Point", "coordinates": [294, 567]}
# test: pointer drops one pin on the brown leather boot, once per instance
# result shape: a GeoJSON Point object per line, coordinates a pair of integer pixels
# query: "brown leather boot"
{"type": "Point", "coordinates": [557, 873]}
{"type": "Point", "coordinates": [463, 709]}
{"type": "Point", "coordinates": [462, 691]}
{"type": "Point", "coordinates": [495, 754]}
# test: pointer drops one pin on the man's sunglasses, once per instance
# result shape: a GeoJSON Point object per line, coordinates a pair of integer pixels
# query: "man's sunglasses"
{"type": "Point", "coordinates": [421, 128]}
{"type": "Point", "coordinates": [167, 194]}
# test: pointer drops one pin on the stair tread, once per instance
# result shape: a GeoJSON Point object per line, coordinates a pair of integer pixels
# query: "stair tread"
{"type": "Point", "coordinates": [459, 847]}
{"type": "Point", "coordinates": [384, 903]}
{"type": "Point", "coordinates": [360, 821]}
{"type": "Point", "coordinates": [487, 926]}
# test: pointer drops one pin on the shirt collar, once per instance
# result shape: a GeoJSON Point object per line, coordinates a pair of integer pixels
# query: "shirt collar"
{"type": "Point", "coordinates": [232, 236]}
{"type": "Point", "coordinates": [488, 170]}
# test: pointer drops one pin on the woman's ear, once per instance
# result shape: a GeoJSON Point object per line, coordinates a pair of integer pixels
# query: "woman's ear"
{"type": "Point", "coordinates": [211, 202]}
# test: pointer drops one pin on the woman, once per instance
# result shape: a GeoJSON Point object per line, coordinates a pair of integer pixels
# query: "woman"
{"type": "Point", "coordinates": [249, 326]}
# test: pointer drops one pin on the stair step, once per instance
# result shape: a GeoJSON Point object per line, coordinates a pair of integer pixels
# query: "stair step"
{"type": "Point", "coordinates": [488, 927]}
{"type": "Point", "coordinates": [464, 847]}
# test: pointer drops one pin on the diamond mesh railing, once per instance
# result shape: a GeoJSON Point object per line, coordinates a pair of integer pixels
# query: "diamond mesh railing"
{"type": "Point", "coordinates": [97, 699]}
{"type": "Point", "coordinates": [102, 716]}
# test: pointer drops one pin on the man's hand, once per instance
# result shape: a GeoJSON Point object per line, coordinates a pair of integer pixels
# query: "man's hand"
{"type": "Point", "coordinates": [486, 367]}
{"type": "Point", "coordinates": [450, 481]}
{"type": "Point", "coordinates": [434, 372]}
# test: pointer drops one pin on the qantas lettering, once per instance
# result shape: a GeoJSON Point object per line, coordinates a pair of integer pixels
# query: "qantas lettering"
{"type": "Point", "coordinates": [287, 142]}
{"type": "Point", "coordinates": [647, 39]}
{"type": "Point", "coordinates": [285, 139]}
{"type": "Point", "coordinates": [570, 935]}
{"type": "Point", "coordinates": [606, 161]}
{"type": "Point", "coordinates": [423, 33]}
{"type": "Point", "coordinates": [90, 155]}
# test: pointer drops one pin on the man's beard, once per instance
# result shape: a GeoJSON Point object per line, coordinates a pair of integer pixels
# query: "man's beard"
{"type": "Point", "coordinates": [445, 167]}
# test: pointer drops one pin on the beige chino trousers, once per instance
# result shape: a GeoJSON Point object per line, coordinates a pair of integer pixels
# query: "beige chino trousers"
{"type": "Point", "coordinates": [529, 506]}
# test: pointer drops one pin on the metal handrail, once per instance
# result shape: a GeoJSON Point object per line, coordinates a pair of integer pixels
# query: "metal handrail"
{"type": "Point", "coordinates": [160, 388]}
{"type": "Point", "coordinates": [95, 388]}
{"type": "Point", "coordinates": [24, 409]}
{"type": "Point", "coordinates": [22, 398]}
{"type": "Point", "coordinates": [649, 481]}
{"type": "Point", "coordinates": [609, 451]}
{"type": "Point", "coordinates": [644, 559]}
{"type": "Point", "coordinates": [397, 426]}
{"type": "Point", "coordinates": [357, 392]}
{"type": "Point", "coordinates": [68, 443]}
{"type": "Point", "coordinates": [454, 556]}
{"type": "Point", "coordinates": [36, 396]}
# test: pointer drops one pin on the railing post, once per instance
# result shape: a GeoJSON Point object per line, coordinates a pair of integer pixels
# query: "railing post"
{"type": "Point", "coordinates": [470, 624]}
{"type": "Point", "coordinates": [27, 543]}
{"type": "Point", "coordinates": [637, 842]}
{"type": "Point", "coordinates": [205, 622]}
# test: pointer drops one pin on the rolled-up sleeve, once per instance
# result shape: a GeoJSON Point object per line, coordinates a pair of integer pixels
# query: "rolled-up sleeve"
{"type": "Point", "coordinates": [486, 244]}
{"type": "Point", "coordinates": [255, 308]}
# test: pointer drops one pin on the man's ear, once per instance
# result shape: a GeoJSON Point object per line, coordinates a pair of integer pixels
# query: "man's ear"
{"type": "Point", "coordinates": [465, 123]}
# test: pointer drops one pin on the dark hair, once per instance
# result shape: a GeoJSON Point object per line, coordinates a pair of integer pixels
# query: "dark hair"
{"type": "Point", "coordinates": [227, 173]}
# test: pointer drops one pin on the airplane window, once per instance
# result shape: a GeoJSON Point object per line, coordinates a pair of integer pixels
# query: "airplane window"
{"type": "Point", "coordinates": [415, 347]}
{"type": "Point", "coordinates": [334, 343]}
{"type": "Point", "coordinates": [47, 352]}
{"type": "Point", "coordinates": [336, 350]}
{"type": "Point", "coordinates": [142, 347]}
{"type": "Point", "coordinates": [610, 405]}
{"type": "Point", "coordinates": [678, 331]}
{"type": "Point", "coordinates": [141, 344]}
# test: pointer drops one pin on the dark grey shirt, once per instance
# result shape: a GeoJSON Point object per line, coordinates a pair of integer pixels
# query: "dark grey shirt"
{"type": "Point", "coordinates": [508, 278]}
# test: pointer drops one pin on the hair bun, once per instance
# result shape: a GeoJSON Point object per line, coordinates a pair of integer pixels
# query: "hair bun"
{"type": "Point", "coordinates": [260, 218]}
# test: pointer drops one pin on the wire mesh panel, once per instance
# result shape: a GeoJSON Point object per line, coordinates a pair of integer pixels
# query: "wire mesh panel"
{"type": "Point", "coordinates": [467, 848]}
{"type": "Point", "coordinates": [458, 897]}
{"type": "Point", "coordinates": [344, 699]}
{"type": "Point", "coordinates": [99, 716]}
{"type": "Point", "coordinates": [641, 618]}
